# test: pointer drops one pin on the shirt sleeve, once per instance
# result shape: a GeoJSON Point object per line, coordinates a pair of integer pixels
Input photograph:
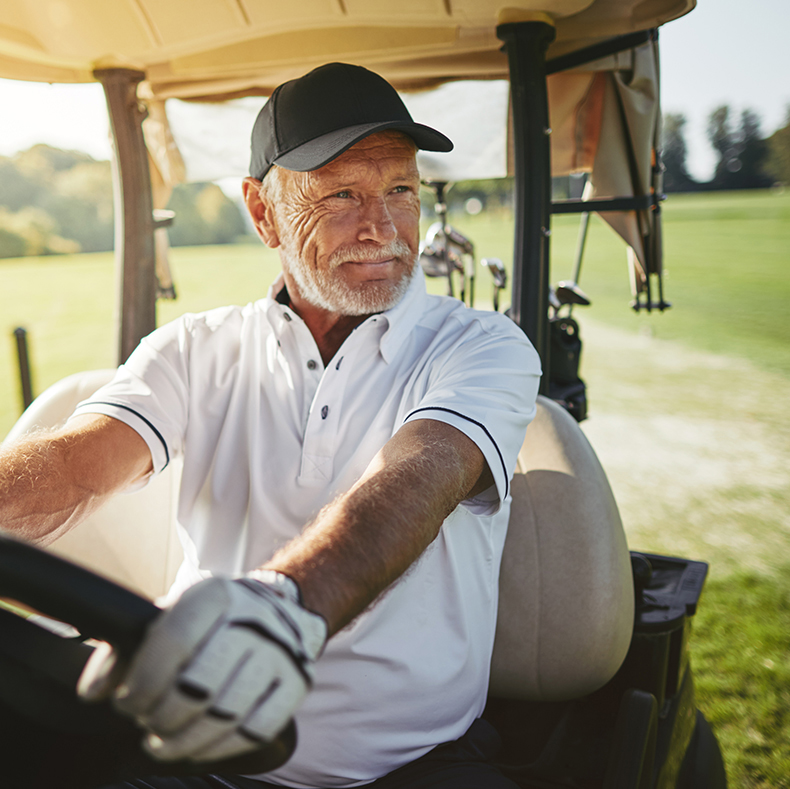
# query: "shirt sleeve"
{"type": "Point", "coordinates": [150, 392]}
{"type": "Point", "coordinates": [485, 384]}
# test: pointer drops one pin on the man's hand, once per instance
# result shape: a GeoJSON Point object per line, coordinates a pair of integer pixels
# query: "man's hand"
{"type": "Point", "coordinates": [221, 672]}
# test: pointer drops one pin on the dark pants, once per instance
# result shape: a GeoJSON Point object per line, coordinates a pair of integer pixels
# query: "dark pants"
{"type": "Point", "coordinates": [463, 764]}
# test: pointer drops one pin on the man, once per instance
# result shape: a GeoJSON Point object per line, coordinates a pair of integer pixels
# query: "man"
{"type": "Point", "coordinates": [386, 420]}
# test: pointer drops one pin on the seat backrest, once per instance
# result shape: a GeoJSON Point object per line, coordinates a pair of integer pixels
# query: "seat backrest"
{"type": "Point", "coordinates": [132, 539]}
{"type": "Point", "coordinates": [566, 593]}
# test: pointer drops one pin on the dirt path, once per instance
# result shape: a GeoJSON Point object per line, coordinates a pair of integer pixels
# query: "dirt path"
{"type": "Point", "coordinates": [696, 447]}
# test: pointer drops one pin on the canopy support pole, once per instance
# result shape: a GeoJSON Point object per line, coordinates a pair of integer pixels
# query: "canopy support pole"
{"type": "Point", "coordinates": [526, 44]}
{"type": "Point", "coordinates": [134, 219]}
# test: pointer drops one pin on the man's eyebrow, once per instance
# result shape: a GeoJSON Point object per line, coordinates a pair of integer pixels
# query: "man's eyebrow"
{"type": "Point", "coordinates": [406, 176]}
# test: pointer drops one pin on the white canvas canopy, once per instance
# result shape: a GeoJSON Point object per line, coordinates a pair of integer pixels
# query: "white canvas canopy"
{"type": "Point", "coordinates": [215, 49]}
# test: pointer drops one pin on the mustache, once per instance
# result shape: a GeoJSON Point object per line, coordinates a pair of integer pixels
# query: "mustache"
{"type": "Point", "coordinates": [371, 254]}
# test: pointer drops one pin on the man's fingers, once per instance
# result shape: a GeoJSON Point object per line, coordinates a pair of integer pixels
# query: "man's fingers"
{"type": "Point", "coordinates": [270, 717]}
{"type": "Point", "coordinates": [227, 680]}
{"type": "Point", "coordinates": [224, 669]}
{"type": "Point", "coordinates": [196, 740]}
{"type": "Point", "coordinates": [170, 644]}
{"type": "Point", "coordinates": [101, 673]}
{"type": "Point", "coordinates": [213, 736]}
{"type": "Point", "coordinates": [173, 713]}
{"type": "Point", "coordinates": [253, 683]}
{"type": "Point", "coordinates": [220, 663]}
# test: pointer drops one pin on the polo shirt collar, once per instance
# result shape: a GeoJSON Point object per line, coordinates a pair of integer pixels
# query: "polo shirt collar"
{"type": "Point", "coordinates": [400, 320]}
{"type": "Point", "coordinates": [278, 292]}
{"type": "Point", "coordinates": [404, 316]}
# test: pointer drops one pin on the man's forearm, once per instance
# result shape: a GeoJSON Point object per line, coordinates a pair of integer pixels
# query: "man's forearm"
{"type": "Point", "coordinates": [367, 538]}
{"type": "Point", "coordinates": [37, 500]}
{"type": "Point", "coordinates": [49, 481]}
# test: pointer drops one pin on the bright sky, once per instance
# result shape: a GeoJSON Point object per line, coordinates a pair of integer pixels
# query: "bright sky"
{"type": "Point", "coordinates": [726, 52]}
{"type": "Point", "coordinates": [723, 52]}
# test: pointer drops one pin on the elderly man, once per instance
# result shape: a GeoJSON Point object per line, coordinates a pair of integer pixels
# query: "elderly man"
{"type": "Point", "coordinates": [348, 443]}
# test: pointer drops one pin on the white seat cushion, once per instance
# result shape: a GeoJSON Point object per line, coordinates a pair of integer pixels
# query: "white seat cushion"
{"type": "Point", "coordinates": [132, 539]}
{"type": "Point", "coordinates": [566, 592]}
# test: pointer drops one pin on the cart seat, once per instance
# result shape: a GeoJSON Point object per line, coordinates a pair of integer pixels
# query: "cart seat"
{"type": "Point", "coordinates": [566, 606]}
{"type": "Point", "coordinates": [132, 539]}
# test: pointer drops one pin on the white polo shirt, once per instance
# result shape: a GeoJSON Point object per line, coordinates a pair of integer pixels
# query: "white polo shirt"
{"type": "Point", "coordinates": [269, 435]}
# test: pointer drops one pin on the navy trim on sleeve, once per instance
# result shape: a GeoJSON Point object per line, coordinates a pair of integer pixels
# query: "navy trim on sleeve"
{"type": "Point", "coordinates": [127, 408]}
{"type": "Point", "coordinates": [474, 422]}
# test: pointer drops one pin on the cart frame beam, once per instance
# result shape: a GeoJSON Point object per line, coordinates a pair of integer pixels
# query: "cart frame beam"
{"type": "Point", "coordinates": [135, 261]}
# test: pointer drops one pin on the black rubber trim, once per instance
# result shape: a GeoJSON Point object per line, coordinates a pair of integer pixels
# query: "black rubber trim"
{"type": "Point", "coordinates": [601, 50]}
{"type": "Point", "coordinates": [127, 408]}
{"type": "Point", "coordinates": [638, 203]}
{"type": "Point", "coordinates": [474, 422]}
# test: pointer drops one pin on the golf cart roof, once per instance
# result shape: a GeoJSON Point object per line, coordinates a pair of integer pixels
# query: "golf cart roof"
{"type": "Point", "coordinates": [216, 49]}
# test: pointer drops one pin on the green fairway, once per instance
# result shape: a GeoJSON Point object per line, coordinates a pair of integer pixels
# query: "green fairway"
{"type": "Point", "coordinates": [741, 652]}
{"type": "Point", "coordinates": [67, 305]}
{"type": "Point", "coordinates": [726, 256]}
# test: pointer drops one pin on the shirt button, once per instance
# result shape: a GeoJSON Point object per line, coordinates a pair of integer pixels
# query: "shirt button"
{"type": "Point", "coordinates": [324, 412]}
{"type": "Point", "coordinates": [312, 364]}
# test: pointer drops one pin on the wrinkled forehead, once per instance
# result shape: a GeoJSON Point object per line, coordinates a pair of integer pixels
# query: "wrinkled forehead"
{"type": "Point", "coordinates": [385, 140]}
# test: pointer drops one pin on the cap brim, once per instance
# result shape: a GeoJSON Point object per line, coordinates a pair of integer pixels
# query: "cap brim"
{"type": "Point", "coordinates": [322, 150]}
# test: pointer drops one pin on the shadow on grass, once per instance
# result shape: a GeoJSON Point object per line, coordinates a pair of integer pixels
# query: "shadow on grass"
{"type": "Point", "coordinates": [741, 654]}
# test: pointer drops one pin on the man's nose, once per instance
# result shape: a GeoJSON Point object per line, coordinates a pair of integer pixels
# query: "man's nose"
{"type": "Point", "coordinates": [376, 222]}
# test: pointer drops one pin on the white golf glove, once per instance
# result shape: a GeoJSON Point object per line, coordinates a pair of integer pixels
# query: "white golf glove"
{"type": "Point", "coordinates": [219, 673]}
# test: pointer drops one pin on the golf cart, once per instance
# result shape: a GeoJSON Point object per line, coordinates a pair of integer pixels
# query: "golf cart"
{"type": "Point", "coordinates": [591, 682]}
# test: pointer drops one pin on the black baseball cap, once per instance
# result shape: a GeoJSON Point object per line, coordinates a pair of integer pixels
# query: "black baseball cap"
{"type": "Point", "coordinates": [310, 121]}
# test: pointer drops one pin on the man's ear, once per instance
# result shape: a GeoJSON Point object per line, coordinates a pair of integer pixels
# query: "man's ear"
{"type": "Point", "coordinates": [261, 211]}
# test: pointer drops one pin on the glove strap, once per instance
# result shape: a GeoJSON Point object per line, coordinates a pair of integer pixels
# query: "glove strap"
{"type": "Point", "coordinates": [313, 626]}
{"type": "Point", "coordinates": [280, 583]}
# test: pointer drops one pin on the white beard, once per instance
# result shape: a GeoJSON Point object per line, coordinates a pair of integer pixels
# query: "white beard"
{"type": "Point", "coordinates": [332, 293]}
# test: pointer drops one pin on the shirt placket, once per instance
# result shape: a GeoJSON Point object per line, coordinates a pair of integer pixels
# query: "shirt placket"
{"type": "Point", "coordinates": [320, 445]}
{"type": "Point", "coordinates": [300, 361]}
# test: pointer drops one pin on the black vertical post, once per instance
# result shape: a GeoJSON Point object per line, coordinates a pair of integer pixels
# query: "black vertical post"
{"type": "Point", "coordinates": [25, 382]}
{"type": "Point", "coordinates": [526, 44]}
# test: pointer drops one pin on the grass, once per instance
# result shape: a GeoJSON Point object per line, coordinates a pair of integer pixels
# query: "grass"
{"type": "Point", "coordinates": [742, 671]}
{"type": "Point", "coordinates": [688, 413]}
{"type": "Point", "coordinates": [726, 257]}
{"type": "Point", "coordinates": [67, 305]}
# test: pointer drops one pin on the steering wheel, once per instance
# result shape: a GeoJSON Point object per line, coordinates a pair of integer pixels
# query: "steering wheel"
{"type": "Point", "coordinates": [53, 738]}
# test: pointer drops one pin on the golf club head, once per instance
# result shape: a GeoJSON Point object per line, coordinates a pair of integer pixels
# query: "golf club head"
{"type": "Point", "coordinates": [434, 232]}
{"type": "Point", "coordinates": [570, 293]}
{"type": "Point", "coordinates": [497, 269]}
{"type": "Point", "coordinates": [460, 240]}
{"type": "Point", "coordinates": [438, 262]}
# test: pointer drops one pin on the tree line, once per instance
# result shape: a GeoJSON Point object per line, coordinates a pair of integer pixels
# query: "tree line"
{"type": "Point", "coordinates": [54, 201]}
{"type": "Point", "coordinates": [744, 158]}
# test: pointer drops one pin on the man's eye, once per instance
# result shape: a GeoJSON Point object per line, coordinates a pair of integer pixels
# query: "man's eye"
{"type": "Point", "coordinates": [344, 194]}
{"type": "Point", "coordinates": [401, 189]}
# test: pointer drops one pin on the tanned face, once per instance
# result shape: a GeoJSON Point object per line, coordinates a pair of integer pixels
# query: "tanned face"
{"type": "Point", "coordinates": [348, 233]}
